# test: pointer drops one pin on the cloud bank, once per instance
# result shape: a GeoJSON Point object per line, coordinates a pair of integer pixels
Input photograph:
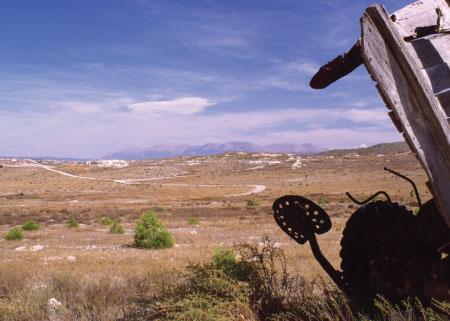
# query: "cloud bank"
{"type": "Point", "coordinates": [180, 106]}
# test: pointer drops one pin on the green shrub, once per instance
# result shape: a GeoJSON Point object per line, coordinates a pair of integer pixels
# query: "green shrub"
{"type": "Point", "coordinates": [14, 234]}
{"type": "Point", "coordinates": [106, 220]}
{"type": "Point", "coordinates": [30, 226]}
{"type": "Point", "coordinates": [253, 287]}
{"type": "Point", "coordinates": [205, 307]}
{"type": "Point", "coordinates": [209, 293]}
{"type": "Point", "coordinates": [150, 233]}
{"type": "Point", "coordinates": [252, 203]}
{"type": "Point", "coordinates": [193, 221]}
{"type": "Point", "coordinates": [116, 228]}
{"type": "Point", "coordinates": [323, 200]}
{"type": "Point", "coordinates": [225, 260]}
{"type": "Point", "coordinates": [72, 222]}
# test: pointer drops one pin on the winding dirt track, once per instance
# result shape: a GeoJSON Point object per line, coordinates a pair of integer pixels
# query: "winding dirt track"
{"type": "Point", "coordinates": [135, 181]}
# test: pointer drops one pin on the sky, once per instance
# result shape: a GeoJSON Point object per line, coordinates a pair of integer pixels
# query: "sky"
{"type": "Point", "coordinates": [89, 77]}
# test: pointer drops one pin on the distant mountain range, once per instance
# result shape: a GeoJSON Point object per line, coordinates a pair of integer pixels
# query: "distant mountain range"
{"type": "Point", "coordinates": [167, 151]}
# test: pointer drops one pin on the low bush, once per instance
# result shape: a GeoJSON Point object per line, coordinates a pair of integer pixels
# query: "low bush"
{"type": "Point", "coordinates": [116, 228]}
{"type": "Point", "coordinates": [14, 234]}
{"type": "Point", "coordinates": [30, 226]}
{"type": "Point", "coordinates": [106, 220]}
{"type": "Point", "coordinates": [252, 203]}
{"type": "Point", "coordinates": [150, 233]}
{"type": "Point", "coordinates": [226, 261]}
{"type": "Point", "coordinates": [323, 200]}
{"type": "Point", "coordinates": [193, 221]}
{"type": "Point", "coordinates": [210, 292]}
{"type": "Point", "coordinates": [72, 222]}
{"type": "Point", "coordinates": [254, 287]}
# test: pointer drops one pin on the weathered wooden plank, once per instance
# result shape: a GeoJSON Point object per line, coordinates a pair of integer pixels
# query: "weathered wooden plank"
{"type": "Point", "coordinates": [444, 99]}
{"type": "Point", "coordinates": [431, 50]}
{"type": "Point", "coordinates": [432, 53]}
{"type": "Point", "coordinates": [396, 121]}
{"type": "Point", "coordinates": [421, 14]}
{"type": "Point", "coordinates": [438, 77]}
{"type": "Point", "coordinates": [405, 90]}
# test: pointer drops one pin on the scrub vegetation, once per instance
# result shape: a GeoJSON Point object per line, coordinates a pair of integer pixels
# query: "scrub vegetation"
{"type": "Point", "coordinates": [192, 247]}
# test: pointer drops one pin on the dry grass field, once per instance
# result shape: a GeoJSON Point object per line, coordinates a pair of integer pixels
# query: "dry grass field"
{"type": "Point", "coordinates": [95, 274]}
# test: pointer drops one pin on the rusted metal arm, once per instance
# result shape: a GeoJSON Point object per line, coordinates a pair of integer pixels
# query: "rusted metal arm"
{"type": "Point", "coordinates": [326, 265]}
{"type": "Point", "coordinates": [414, 186]}
{"type": "Point", "coordinates": [354, 200]}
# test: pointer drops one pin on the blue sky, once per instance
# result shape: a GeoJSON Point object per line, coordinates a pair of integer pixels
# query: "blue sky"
{"type": "Point", "coordinates": [85, 78]}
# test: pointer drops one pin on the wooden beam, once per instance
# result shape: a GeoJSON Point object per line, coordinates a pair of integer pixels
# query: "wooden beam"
{"type": "Point", "coordinates": [421, 13]}
{"type": "Point", "coordinates": [410, 97]}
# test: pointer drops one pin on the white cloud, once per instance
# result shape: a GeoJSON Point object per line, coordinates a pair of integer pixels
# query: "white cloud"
{"type": "Point", "coordinates": [372, 115]}
{"type": "Point", "coordinates": [79, 107]}
{"type": "Point", "coordinates": [181, 106]}
{"type": "Point", "coordinates": [292, 76]}
{"type": "Point", "coordinates": [284, 83]}
{"type": "Point", "coordinates": [304, 68]}
{"type": "Point", "coordinates": [360, 103]}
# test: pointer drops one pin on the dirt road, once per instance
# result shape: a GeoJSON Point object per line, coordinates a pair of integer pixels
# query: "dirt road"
{"type": "Point", "coordinates": [255, 189]}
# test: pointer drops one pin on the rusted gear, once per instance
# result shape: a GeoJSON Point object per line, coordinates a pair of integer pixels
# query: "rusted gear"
{"type": "Point", "coordinates": [384, 253]}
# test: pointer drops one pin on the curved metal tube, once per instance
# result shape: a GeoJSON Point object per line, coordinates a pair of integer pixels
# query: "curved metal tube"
{"type": "Point", "coordinates": [416, 191]}
{"type": "Point", "coordinates": [354, 200]}
{"type": "Point", "coordinates": [335, 275]}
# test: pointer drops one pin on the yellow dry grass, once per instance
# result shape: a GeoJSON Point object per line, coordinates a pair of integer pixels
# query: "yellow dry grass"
{"type": "Point", "coordinates": [201, 191]}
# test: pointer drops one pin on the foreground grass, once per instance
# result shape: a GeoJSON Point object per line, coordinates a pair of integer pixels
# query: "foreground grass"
{"type": "Point", "coordinates": [258, 287]}
{"type": "Point", "coordinates": [250, 283]}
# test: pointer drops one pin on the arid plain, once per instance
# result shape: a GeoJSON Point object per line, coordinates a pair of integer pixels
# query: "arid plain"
{"type": "Point", "coordinates": [206, 202]}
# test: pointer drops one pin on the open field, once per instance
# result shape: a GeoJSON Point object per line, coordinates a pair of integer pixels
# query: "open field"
{"type": "Point", "coordinates": [213, 190]}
